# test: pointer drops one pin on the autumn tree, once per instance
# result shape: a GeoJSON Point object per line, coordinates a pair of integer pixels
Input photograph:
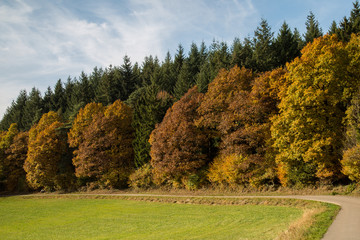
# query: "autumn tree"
{"type": "Point", "coordinates": [6, 139]}
{"type": "Point", "coordinates": [308, 133]}
{"type": "Point", "coordinates": [106, 154]}
{"type": "Point", "coordinates": [47, 165]}
{"type": "Point", "coordinates": [178, 147]}
{"type": "Point", "coordinates": [15, 158]}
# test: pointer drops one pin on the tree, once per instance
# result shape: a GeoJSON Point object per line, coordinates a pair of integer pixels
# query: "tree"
{"type": "Point", "coordinates": [264, 54]}
{"type": "Point", "coordinates": [6, 139]}
{"type": "Point", "coordinates": [178, 149]}
{"type": "Point", "coordinates": [308, 131]}
{"type": "Point", "coordinates": [286, 46]}
{"type": "Point", "coordinates": [333, 28]}
{"type": "Point", "coordinates": [242, 53]}
{"type": "Point", "coordinates": [220, 94]}
{"type": "Point", "coordinates": [46, 151]}
{"type": "Point", "coordinates": [106, 155]}
{"type": "Point", "coordinates": [149, 106]}
{"type": "Point", "coordinates": [350, 25]}
{"type": "Point", "coordinates": [312, 28]}
{"type": "Point", "coordinates": [58, 98]}
{"type": "Point", "coordinates": [15, 159]}
{"type": "Point", "coordinates": [82, 121]}
{"type": "Point", "coordinates": [15, 113]}
{"type": "Point", "coordinates": [33, 109]}
{"type": "Point", "coordinates": [184, 82]}
{"type": "Point", "coordinates": [130, 79]}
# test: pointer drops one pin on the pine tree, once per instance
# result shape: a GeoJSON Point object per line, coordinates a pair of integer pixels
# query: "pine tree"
{"type": "Point", "coordinates": [168, 79]}
{"type": "Point", "coordinates": [184, 82]}
{"type": "Point", "coordinates": [312, 28]}
{"type": "Point", "coordinates": [129, 78]}
{"type": "Point", "coordinates": [149, 105]}
{"type": "Point", "coordinates": [264, 54]}
{"type": "Point", "coordinates": [47, 103]}
{"type": "Point", "coordinates": [58, 98]}
{"type": "Point", "coordinates": [33, 109]}
{"type": "Point", "coordinates": [333, 28]}
{"type": "Point", "coordinates": [286, 46]}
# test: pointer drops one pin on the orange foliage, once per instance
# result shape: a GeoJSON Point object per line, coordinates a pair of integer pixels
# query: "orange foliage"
{"type": "Point", "coordinates": [178, 147]}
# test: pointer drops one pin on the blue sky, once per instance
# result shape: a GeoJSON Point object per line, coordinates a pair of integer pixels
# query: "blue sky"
{"type": "Point", "coordinates": [42, 41]}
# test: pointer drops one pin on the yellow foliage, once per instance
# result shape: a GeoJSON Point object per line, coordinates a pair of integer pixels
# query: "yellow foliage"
{"type": "Point", "coordinates": [232, 170]}
{"type": "Point", "coordinates": [351, 163]}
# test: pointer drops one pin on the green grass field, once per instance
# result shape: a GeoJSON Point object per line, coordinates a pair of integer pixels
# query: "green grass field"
{"type": "Point", "coordinates": [125, 219]}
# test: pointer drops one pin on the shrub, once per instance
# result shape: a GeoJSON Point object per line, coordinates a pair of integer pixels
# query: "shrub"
{"type": "Point", "coordinates": [351, 163]}
{"type": "Point", "coordinates": [142, 177]}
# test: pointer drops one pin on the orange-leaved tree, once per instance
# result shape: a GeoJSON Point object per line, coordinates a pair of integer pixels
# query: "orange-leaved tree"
{"type": "Point", "coordinates": [178, 147]}
{"type": "Point", "coordinates": [106, 155]}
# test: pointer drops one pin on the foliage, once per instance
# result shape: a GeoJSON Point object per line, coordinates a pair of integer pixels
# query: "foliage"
{"type": "Point", "coordinates": [82, 121]}
{"type": "Point", "coordinates": [105, 155]}
{"type": "Point", "coordinates": [16, 156]}
{"type": "Point", "coordinates": [46, 151]}
{"type": "Point", "coordinates": [178, 147]}
{"type": "Point", "coordinates": [351, 163]}
{"type": "Point", "coordinates": [142, 177]}
{"type": "Point", "coordinates": [308, 132]}
{"type": "Point", "coordinates": [149, 106]}
{"type": "Point", "coordinates": [6, 139]}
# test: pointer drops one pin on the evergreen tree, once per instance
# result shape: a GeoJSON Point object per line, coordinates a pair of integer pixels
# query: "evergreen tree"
{"type": "Point", "coordinates": [185, 81]}
{"type": "Point", "coordinates": [219, 57]}
{"type": "Point", "coordinates": [150, 70]}
{"type": "Point", "coordinates": [333, 28]}
{"type": "Point", "coordinates": [58, 98]}
{"type": "Point", "coordinates": [47, 103]}
{"type": "Point", "coordinates": [168, 78]}
{"type": "Point", "coordinates": [264, 54]}
{"type": "Point", "coordinates": [350, 25]}
{"type": "Point", "coordinates": [33, 109]}
{"type": "Point", "coordinates": [149, 107]}
{"type": "Point", "coordinates": [312, 28]}
{"type": "Point", "coordinates": [15, 113]}
{"type": "Point", "coordinates": [179, 60]}
{"type": "Point", "coordinates": [286, 46]}
{"type": "Point", "coordinates": [129, 78]}
{"type": "Point", "coordinates": [194, 61]}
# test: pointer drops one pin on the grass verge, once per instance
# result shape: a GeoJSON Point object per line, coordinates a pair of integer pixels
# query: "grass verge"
{"type": "Point", "coordinates": [122, 217]}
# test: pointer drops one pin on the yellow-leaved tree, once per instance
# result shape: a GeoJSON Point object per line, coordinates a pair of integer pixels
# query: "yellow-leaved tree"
{"type": "Point", "coordinates": [308, 132]}
{"type": "Point", "coordinates": [45, 164]}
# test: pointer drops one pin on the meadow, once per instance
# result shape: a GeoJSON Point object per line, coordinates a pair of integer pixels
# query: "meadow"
{"type": "Point", "coordinates": [52, 218]}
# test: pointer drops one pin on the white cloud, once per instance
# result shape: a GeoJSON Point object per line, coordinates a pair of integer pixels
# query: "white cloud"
{"type": "Point", "coordinates": [43, 41]}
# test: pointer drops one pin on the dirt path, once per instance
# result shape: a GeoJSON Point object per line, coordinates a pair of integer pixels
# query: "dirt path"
{"type": "Point", "coordinates": [346, 225]}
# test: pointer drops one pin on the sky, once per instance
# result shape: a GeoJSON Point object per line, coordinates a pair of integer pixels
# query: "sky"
{"type": "Point", "coordinates": [42, 41]}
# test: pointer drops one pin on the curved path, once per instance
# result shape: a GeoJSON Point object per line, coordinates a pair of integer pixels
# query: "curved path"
{"type": "Point", "coordinates": [346, 225]}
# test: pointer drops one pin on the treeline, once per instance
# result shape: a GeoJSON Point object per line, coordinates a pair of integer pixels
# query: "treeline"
{"type": "Point", "coordinates": [260, 113]}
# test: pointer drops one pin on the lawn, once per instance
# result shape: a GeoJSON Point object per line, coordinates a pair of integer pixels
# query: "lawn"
{"type": "Point", "coordinates": [125, 219]}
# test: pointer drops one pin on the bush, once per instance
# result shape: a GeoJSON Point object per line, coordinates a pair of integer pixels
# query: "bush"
{"type": "Point", "coordinates": [142, 177]}
{"type": "Point", "coordinates": [228, 170]}
{"type": "Point", "coordinates": [351, 163]}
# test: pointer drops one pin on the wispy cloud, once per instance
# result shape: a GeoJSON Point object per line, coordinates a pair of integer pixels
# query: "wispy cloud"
{"type": "Point", "coordinates": [43, 41]}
